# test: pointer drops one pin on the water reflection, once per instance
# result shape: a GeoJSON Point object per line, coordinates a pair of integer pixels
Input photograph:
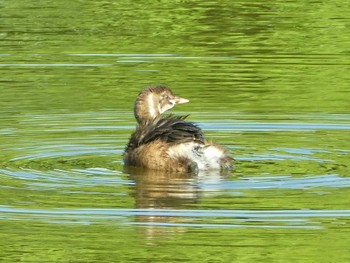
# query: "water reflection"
{"type": "Point", "coordinates": [162, 191]}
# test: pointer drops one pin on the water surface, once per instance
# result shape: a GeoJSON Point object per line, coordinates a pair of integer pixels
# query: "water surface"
{"type": "Point", "coordinates": [267, 80]}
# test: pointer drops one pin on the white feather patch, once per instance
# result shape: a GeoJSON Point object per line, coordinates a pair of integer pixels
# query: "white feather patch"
{"type": "Point", "coordinates": [207, 157]}
{"type": "Point", "coordinates": [151, 106]}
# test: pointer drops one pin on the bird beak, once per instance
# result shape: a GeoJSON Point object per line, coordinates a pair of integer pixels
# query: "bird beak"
{"type": "Point", "coordinates": [179, 100]}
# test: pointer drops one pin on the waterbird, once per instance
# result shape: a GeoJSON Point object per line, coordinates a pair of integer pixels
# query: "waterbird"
{"type": "Point", "coordinates": [169, 142]}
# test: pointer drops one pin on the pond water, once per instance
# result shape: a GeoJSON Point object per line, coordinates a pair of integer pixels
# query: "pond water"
{"type": "Point", "coordinates": [268, 80]}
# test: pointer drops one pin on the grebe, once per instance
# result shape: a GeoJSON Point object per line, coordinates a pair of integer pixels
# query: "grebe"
{"type": "Point", "coordinates": [169, 142]}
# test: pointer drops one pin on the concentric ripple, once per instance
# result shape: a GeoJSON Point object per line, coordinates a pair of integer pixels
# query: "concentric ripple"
{"type": "Point", "coordinates": [74, 160]}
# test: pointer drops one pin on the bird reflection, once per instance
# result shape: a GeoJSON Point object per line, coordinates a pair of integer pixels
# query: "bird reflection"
{"type": "Point", "coordinates": [164, 190]}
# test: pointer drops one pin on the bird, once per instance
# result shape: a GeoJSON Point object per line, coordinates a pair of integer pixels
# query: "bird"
{"type": "Point", "coordinates": [169, 142]}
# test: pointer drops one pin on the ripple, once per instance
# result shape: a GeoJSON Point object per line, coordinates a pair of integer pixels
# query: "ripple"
{"type": "Point", "coordinates": [279, 157]}
{"type": "Point", "coordinates": [67, 178]}
{"type": "Point", "coordinates": [105, 120]}
{"type": "Point", "coordinates": [81, 150]}
{"type": "Point", "coordinates": [55, 65]}
{"type": "Point", "coordinates": [272, 126]}
{"type": "Point", "coordinates": [64, 151]}
{"type": "Point", "coordinates": [123, 55]}
{"type": "Point", "coordinates": [227, 218]}
{"type": "Point", "coordinates": [280, 182]}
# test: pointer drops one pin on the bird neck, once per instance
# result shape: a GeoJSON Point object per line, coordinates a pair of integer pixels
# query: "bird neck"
{"type": "Point", "coordinates": [146, 108]}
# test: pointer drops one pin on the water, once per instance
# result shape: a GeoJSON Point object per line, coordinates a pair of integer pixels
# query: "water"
{"type": "Point", "coordinates": [267, 80]}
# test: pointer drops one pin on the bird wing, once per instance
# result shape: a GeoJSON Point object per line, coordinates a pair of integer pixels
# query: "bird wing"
{"type": "Point", "coordinates": [170, 129]}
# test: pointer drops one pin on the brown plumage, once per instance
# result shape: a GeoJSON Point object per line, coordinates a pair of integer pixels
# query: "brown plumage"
{"type": "Point", "coordinates": [169, 142]}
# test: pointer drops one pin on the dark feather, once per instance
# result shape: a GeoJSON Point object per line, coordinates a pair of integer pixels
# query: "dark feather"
{"type": "Point", "coordinates": [170, 129]}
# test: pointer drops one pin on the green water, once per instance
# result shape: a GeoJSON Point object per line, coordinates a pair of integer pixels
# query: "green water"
{"type": "Point", "coordinates": [269, 80]}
